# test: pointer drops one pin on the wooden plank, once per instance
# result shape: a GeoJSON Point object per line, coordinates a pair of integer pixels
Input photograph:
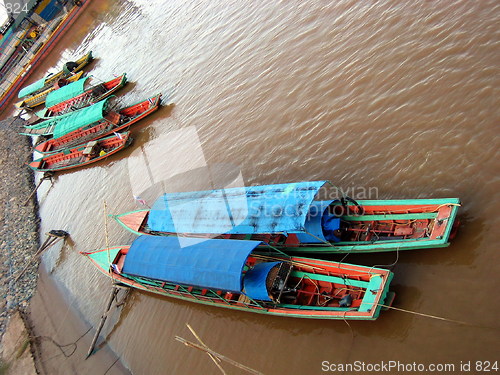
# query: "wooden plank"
{"type": "Point", "coordinates": [331, 279]}
{"type": "Point", "coordinates": [416, 216]}
{"type": "Point", "coordinates": [319, 308]}
{"type": "Point", "coordinates": [369, 299]}
{"type": "Point", "coordinates": [408, 202]}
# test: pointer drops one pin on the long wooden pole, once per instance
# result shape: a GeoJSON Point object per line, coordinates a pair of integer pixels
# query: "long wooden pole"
{"type": "Point", "coordinates": [103, 320]}
{"type": "Point", "coordinates": [46, 176]}
{"type": "Point", "coordinates": [52, 237]}
{"type": "Point", "coordinates": [212, 357]}
{"type": "Point", "coordinates": [220, 356]}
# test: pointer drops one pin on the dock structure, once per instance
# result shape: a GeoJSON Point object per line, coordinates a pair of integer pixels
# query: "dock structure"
{"type": "Point", "coordinates": [28, 36]}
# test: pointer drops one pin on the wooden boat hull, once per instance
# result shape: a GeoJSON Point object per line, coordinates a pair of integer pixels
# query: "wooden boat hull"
{"type": "Point", "coordinates": [82, 155]}
{"type": "Point", "coordinates": [432, 221]}
{"type": "Point", "coordinates": [315, 277]}
{"type": "Point", "coordinates": [39, 98]}
{"type": "Point", "coordinates": [91, 96]}
{"type": "Point", "coordinates": [103, 128]}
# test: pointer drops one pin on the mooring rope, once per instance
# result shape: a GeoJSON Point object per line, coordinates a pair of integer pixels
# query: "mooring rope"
{"type": "Point", "coordinates": [62, 346]}
{"type": "Point", "coordinates": [428, 315]}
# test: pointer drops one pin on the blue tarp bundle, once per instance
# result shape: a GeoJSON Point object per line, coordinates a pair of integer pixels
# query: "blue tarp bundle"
{"type": "Point", "coordinates": [209, 263]}
{"type": "Point", "coordinates": [255, 281]}
{"type": "Point", "coordinates": [246, 210]}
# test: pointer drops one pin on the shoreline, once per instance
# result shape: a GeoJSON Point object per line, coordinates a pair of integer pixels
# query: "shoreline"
{"type": "Point", "coordinates": [31, 305]}
{"type": "Point", "coordinates": [19, 239]}
{"type": "Point", "coordinates": [20, 221]}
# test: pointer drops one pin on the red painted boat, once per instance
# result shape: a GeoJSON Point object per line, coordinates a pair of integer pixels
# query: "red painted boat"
{"type": "Point", "coordinates": [288, 216]}
{"type": "Point", "coordinates": [80, 156]}
{"type": "Point", "coordinates": [247, 276]}
{"type": "Point", "coordinates": [110, 123]}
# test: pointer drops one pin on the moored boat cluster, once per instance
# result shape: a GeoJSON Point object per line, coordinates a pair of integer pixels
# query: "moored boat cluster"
{"type": "Point", "coordinates": [79, 126]}
{"type": "Point", "coordinates": [253, 248]}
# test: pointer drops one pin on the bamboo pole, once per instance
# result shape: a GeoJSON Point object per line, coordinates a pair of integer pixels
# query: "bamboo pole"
{"type": "Point", "coordinates": [52, 237]}
{"type": "Point", "coordinates": [212, 357]}
{"type": "Point", "coordinates": [104, 316]}
{"type": "Point", "coordinates": [220, 356]}
{"type": "Point", "coordinates": [46, 176]}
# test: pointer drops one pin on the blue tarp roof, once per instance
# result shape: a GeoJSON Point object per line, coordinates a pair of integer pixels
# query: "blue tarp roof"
{"type": "Point", "coordinates": [209, 263]}
{"type": "Point", "coordinates": [66, 92]}
{"type": "Point", "coordinates": [255, 281]}
{"type": "Point", "coordinates": [246, 210]}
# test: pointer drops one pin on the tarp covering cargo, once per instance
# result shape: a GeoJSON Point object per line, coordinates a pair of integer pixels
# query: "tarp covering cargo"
{"type": "Point", "coordinates": [255, 281]}
{"type": "Point", "coordinates": [212, 263]}
{"type": "Point", "coordinates": [246, 210]}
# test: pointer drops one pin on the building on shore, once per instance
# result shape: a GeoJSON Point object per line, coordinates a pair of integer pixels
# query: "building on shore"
{"type": "Point", "coordinates": [29, 32]}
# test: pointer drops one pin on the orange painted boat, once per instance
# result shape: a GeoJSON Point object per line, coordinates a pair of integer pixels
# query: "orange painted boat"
{"type": "Point", "coordinates": [107, 124]}
{"type": "Point", "coordinates": [80, 156]}
{"type": "Point", "coordinates": [288, 217]}
{"type": "Point", "coordinates": [247, 276]}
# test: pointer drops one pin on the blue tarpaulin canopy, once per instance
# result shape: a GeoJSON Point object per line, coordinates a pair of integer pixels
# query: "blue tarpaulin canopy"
{"type": "Point", "coordinates": [209, 263]}
{"type": "Point", "coordinates": [255, 281]}
{"type": "Point", "coordinates": [66, 92]}
{"type": "Point", "coordinates": [246, 210]}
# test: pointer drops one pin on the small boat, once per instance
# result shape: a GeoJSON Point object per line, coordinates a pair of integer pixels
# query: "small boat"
{"type": "Point", "coordinates": [82, 155]}
{"type": "Point", "coordinates": [247, 276]}
{"type": "Point", "coordinates": [77, 95]}
{"type": "Point", "coordinates": [35, 93]}
{"type": "Point", "coordinates": [89, 123]}
{"type": "Point", "coordinates": [288, 217]}
{"type": "Point", "coordinates": [39, 98]}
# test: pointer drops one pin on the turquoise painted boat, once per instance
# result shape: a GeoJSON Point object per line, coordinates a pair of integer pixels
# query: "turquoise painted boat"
{"type": "Point", "coordinates": [61, 125]}
{"type": "Point", "coordinates": [47, 82]}
{"type": "Point", "coordinates": [247, 276]}
{"type": "Point", "coordinates": [289, 217]}
{"type": "Point", "coordinates": [80, 94]}
{"type": "Point", "coordinates": [35, 94]}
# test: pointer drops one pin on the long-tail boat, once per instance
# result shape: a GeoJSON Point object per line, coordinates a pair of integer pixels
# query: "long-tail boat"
{"type": "Point", "coordinates": [36, 93]}
{"type": "Point", "coordinates": [247, 276]}
{"type": "Point", "coordinates": [89, 123]}
{"type": "Point", "coordinates": [39, 98]}
{"type": "Point", "coordinates": [78, 95]}
{"type": "Point", "coordinates": [286, 216]}
{"type": "Point", "coordinates": [82, 155]}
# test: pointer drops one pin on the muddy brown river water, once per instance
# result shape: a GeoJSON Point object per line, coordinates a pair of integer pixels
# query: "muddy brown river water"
{"type": "Point", "coordinates": [398, 99]}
